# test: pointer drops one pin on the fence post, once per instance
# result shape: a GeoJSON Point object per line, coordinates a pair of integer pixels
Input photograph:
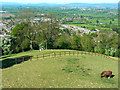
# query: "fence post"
{"type": "Point", "coordinates": [37, 57]}
{"type": "Point", "coordinates": [54, 54]}
{"type": "Point", "coordinates": [43, 55]}
{"type": "Point", "coordinates": [49, 54]}
{"type": "Point", "coordinates": [69, 53]}
{"type": "Point", "coordinates": [30, 58]}
{"type": "Point", "coordinates": [77, 53]}
{"type": "Point", "coordinates": [16, 60]}
{"type": "Point", "coordinates": [23, 59]}
{"type": "Point", "coordinates": [60, 54]}
{"type": "Point", "coordinates": [64, 53]}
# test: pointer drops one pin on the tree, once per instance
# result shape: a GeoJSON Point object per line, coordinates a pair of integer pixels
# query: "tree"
{"type": "Point", "coordinates": [64, 42]}
{"type": "Point", "coordinates": [87, 43]}
{"type": "Point", "coordinates": [35, 33]}
{"type": "Point", "coordinates": [19, 33]}
{"type": "Point", "coordinates": [97, 21]}
{"type": "Point", "coordinates": [107, 40]}
{"type": "Point", "coordinates": [7, 44]}
{"type": "Point", "coordinates": [52, 31]}
{"type": "Point", "coordinates": [76, 42]}
{"type": "Point", "coordinates": [110, 22]}
{"type": "Point", "coordinates": [82, 16]}
{"type": "Point", "coordinates": [112, 19]}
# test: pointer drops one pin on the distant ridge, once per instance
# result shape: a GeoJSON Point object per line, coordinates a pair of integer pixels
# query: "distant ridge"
{"type": "Point", "coordinates": [60, 5]}
{"type": "Point", "coordinates": [93, 4]}
{"type": "Point", "coordinates": [10, 3]}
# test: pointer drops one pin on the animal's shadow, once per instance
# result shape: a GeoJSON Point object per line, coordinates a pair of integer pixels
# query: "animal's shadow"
{"type": "Point", "coordinates": [108, 76]}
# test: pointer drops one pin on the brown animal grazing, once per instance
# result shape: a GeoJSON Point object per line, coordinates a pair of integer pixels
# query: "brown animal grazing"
{"type": "Point", "coordinates": [106, 73]}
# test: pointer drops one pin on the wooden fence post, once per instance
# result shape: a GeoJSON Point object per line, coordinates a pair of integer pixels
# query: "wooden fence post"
{"type": "Point", "coordinates": [37, 57]}
{"type": "Point", "coordinates": [23, 59]}
{"type": "Point", "coordinates": [30, 58]}
{"type": "Point", "coordinates": [60, 54]}
{"type": "Point", "coordinates": [69, 53]}
{"type": "Point", "coordinates": [16, 60]}
{"type": "Point", "coordinates": [64, 53]}
{"type": "Point", "coordinates": [43, 55]}
{"type": "Point", "coordinates": [54, 54]}
{"type": "Point", "coordinates": [77, 53]}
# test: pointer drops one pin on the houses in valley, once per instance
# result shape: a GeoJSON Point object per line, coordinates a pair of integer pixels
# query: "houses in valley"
{"type": "Point", "coordinates": [76, 29]}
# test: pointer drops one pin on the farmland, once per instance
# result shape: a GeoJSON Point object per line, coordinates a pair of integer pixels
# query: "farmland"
{"type": "Point", "coordinates": [90, 27]}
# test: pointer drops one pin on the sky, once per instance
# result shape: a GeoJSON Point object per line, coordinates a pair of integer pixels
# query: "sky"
{"type": "Point", "coordinates": [62, 1]}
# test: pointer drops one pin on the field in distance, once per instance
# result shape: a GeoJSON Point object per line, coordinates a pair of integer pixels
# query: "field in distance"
{"type": "Point", "coordinates": [75, 71]}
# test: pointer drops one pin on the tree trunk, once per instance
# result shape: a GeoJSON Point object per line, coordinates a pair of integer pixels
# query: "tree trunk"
{"type": "Point", "coordinates": [46, 45]}
{"type": "Point", "coordinates": [31, 45]}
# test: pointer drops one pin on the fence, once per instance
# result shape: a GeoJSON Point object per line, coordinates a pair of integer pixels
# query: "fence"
{"type": "Point", "coordinates": [60, 54]}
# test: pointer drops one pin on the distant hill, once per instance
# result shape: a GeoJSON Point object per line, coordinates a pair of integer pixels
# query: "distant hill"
{"type": "Point", "coordinates": [93, 5]}
{"type": "Point", "coordinates": [60, 5]}
{"type": "Point", "coordinates": [44, 4]}
{"type": "Point", "coordinates": [27, 4]}
{"type": "Point", "coordinates": [10, 3]}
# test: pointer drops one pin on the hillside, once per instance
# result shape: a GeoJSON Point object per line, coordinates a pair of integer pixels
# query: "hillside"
{"type": "Point", "coordinates": [74, 71]}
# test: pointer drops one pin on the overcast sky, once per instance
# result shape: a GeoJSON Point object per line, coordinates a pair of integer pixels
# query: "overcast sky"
{"type": "Point", "coordinates": [62, 1]}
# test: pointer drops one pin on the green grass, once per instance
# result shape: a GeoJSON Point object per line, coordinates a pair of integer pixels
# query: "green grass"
{"type": "Point", "coordinates": [107, 21]}
{"type": "Point", "coordinates": [90, 27]}
{"type": "Point", "coordinates": [81, 71]}
{"type": "Point", "coordinates": [30, 53]}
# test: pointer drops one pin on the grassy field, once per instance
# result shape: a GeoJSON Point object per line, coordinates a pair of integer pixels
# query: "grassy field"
{"type": "Point", "coordinates": [81, 71]}
{"type": "Point", "coordinates": [90, 27]}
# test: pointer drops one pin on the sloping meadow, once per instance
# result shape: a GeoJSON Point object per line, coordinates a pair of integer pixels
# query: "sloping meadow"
{"type": "Point", "coordinates": [81, 71]}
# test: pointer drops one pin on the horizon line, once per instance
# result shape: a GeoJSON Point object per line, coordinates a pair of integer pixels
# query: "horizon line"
{"type": "Point", "coordinates": [61, 3]}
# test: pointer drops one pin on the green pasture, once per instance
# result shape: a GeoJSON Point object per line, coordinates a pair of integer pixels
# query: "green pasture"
{"type": "Point", "coordinates": [105, 21]}
{"type": "Point", "coordinates": [90, 27]}
{"type": "Point", "coordinates": [74, 71]}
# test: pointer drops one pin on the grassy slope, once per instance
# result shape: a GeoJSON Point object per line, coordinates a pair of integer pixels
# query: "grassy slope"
{"type": "Point", "coordinates": [61, 72]}
{"type": "Point", "coordinates": [31, 52]}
